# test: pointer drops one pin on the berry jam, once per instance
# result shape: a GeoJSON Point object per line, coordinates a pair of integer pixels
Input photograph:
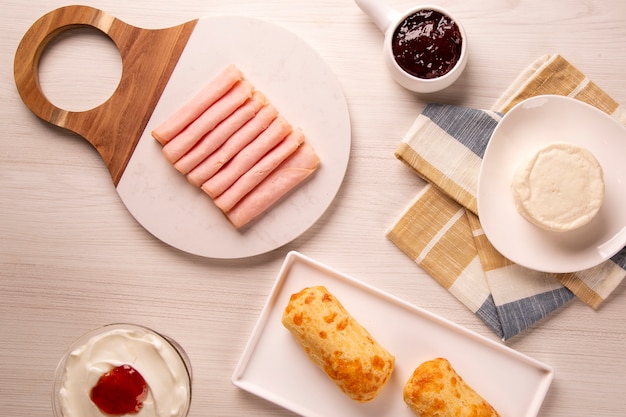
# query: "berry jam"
{"type": "Point", "coordinates": [427, 44]}
{"type": "Point", "coordinates": [120, 391]}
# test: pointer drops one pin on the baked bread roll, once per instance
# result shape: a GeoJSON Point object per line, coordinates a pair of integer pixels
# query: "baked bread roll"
{"type": "Point", "coordinates": [336, 343]}
{"type": "Point", "coordinates": [436, 390]}
{"type": "Point", "coordinates": [560, 188]}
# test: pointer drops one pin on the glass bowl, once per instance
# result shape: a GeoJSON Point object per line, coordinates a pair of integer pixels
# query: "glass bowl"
{"type": "Point", "coordinates": [161, 362]}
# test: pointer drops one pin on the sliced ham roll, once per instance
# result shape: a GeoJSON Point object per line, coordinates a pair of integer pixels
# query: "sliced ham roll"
{"type": "Point", "coordinates": [292, 172]}
{"type": "Point", "coordinates": [216, 137]}
{"type": "Point", "coordinates": [259, 171]}
{"type": "Point", "coordinates": [190, 111]}
{"type": "Point", "coordinates": [234, 144]}
{"type": "Point", "coordinates": [212, 116]}
{"type": "Point", "coordinates": [207, 168]}
{"type": "Point", "coordinates": [247, 157]}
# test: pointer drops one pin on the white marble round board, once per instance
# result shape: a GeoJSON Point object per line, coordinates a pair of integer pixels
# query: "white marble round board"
{"type": "Point", "coordinates": [305, 91]}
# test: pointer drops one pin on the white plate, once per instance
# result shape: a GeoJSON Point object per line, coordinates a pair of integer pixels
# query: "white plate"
{"type": "Point", "coordinates": [302, 87]}
{"type": "Point", "coordinates": [529, 126]}
{"type": "Point", "coordinates": [275, 367]}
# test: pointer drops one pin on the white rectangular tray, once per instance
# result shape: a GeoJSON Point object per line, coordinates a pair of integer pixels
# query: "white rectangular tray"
{"type": "Point", "coordinates": [275, 367]}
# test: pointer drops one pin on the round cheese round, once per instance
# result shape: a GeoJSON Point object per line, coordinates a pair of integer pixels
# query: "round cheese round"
{"type": "Point", "coordinates": [560, 188]}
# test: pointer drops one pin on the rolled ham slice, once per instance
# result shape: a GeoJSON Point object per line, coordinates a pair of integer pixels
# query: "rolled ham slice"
{"type": "Point", "coordinates": [216, 137]}
{"type": "Point", "coordinates": [190, 111]}
{"type": "Point", "coordinates": [247, 157]}
{"type": "Point", "coordinates": [259, 171]}
{"type": "Point", "coordinates": [207, 168]}
{"type": "Point", "coordinates": [292, 172]}
{"type": "Point", "coordinates": [212, 116]}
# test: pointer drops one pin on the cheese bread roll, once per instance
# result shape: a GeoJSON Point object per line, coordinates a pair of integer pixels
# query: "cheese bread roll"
{"type": "Point", "coordinates": [436, 390]}
{"type": "Point", "coordinates": [336, 343]}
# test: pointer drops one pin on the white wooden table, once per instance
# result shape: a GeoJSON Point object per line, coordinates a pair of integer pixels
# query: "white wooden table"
{"type": "Point", "coordinates": [72, 258]}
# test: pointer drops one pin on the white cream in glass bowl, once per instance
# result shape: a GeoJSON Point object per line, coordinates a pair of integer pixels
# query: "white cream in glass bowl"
{"type": "Point", "coordinates": [107, 366]}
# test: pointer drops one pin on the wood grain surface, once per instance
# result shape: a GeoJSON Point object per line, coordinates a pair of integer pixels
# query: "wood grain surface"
{"type": "Point", "coordinates": [72, 258]}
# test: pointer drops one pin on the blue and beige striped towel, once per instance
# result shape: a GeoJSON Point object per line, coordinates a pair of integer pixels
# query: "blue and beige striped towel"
{"type": "Point", "coordinates": [440, 229]}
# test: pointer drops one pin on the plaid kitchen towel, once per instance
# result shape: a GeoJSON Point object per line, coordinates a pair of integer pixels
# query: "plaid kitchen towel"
{"type": "Point", "coordinates": [440, 229]}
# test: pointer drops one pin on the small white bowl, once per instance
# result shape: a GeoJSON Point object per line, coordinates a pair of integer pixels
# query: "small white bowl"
{"type": "Point", "coordinates": [529, 126]}
{"type": "Point", "coordinates": [388, 20]}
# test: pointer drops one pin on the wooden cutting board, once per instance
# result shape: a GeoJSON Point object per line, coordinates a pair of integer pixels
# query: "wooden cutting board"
{"type": "Point", "coordinates": [115, 126]}
{"type": "Point", "coordinates": [162, 69]}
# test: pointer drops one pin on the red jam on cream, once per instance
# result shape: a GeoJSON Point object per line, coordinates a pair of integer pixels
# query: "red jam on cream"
{"type": "Point", "coordinates": [427, 44]}
{"type": "Point", "coordinates": [120, 391]}
{"type": "Point", "coordinates": [122, 370]}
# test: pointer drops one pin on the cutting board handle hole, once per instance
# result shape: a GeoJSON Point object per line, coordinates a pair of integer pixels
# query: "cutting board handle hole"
{"type": "Point", "coordinates": [80, 69]}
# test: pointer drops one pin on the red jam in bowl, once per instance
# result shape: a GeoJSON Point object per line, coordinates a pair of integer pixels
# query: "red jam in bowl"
{"type": "Point", "coordinates": [427, 44]}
